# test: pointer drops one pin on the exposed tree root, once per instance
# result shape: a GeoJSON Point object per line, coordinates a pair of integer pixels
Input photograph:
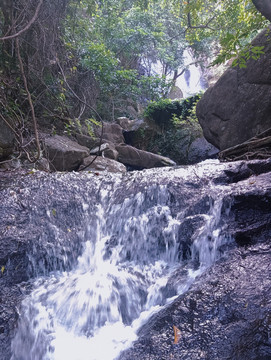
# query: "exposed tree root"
{"type": "Point", "coordinates": [258, 147]}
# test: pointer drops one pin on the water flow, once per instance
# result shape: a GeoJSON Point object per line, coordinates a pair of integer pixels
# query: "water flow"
{"type": "Point", "coordinates": [126, 273]}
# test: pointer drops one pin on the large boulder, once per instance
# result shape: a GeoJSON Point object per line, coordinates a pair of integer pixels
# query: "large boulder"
{"type": "Point", "coordinates": [6, 140]}
{"type": "Point", "coordinates": [99, 163]}
{"type": "Point", "coordinates": [87, 140]}
{"type": "Point", "coordinates": [107, 150]}
{"type": "Point", "coordinates": [140, 159]}
{"type": "Point", "coordinates": [238, 106]}
{"type": "Point", "coordinates": [112, 132]}
{"type": "Point", "coordinates": [63, 153]}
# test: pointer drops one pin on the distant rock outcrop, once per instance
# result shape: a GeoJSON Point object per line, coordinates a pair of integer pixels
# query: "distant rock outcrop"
{"type": "Point", "coordinates": [238, 106]}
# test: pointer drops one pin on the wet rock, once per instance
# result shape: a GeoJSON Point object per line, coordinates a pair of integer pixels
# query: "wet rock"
{"type": "Point", "coordinates": [226, 315]}
{"type": "Point", "coordinates": [237, 107]}
{"type": "Point", "coordinates": [63, 153]}
{"type": "Point", "coordinates": [45, 220]}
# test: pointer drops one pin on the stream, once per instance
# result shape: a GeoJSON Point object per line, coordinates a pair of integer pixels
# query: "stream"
{"type": "Point", "coordinates": [144, 239]}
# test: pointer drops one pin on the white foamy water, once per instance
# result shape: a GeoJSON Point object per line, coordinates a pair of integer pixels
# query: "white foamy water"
{"type": "Point", "coordinates": [125, 274]}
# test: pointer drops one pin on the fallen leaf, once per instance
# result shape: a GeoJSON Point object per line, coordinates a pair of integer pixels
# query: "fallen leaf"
{"type": "Point", "coordinates": [2, 269]}
{"type": "Point", "coordinates": [177, 334]}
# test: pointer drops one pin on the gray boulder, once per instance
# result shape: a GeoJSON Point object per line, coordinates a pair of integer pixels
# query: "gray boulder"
{"type": "Point", "coordinates": [200, 150]}
{"type": "Point", "coordinates": [63, 153]}
{"type": "Point", "coordinates": [100, 163]}
{"type": "Point", "coordinates": [140, 159]}
{"type": "Point", "coordinates": [107, 150]}
{"type": "Point", "coordinates": [238, 106]}
{"type": "Point", "coordinates": [111, 133]}
{"type": "Point", "coordinates": [86, 140]}
{"type": "Point", "coordinates": [6, 140]}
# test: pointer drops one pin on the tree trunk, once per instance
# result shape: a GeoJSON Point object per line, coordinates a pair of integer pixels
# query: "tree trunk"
{"type": "Point", "coordinates": [264, 7]}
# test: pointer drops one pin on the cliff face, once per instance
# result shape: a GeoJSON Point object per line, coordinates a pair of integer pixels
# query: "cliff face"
{"type": "Point", "coordinates": [238, 106]}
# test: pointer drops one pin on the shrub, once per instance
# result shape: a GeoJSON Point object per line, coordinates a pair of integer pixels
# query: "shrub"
{"type": "Point", "coordinates": [164, 112]}
{"type": "Point", "coordinates": [179, 125]}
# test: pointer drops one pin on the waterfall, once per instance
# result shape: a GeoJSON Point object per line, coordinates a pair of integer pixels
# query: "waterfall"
{"type": "Point", "coordinates": [191, 81]}
{"type": "Point", "coordinates": [138, 256]}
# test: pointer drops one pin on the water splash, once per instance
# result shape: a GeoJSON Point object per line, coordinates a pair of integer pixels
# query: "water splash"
{"type": "Point", "coordinates": [127, 271]}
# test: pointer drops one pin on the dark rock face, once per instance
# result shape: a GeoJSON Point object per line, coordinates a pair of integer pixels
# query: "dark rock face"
{"type": "Point", "coordinates": [200, 150]}
{"type": "Point", "coordinates": [225, 316]}
{"type": "Point", "coordinates": [238, 106]}
{"type": "Point", "coordinates": [6, 140]}
{"type": "Point", "coordinates": [227, 313]}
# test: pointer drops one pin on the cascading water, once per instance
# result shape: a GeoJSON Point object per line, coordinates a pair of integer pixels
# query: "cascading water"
{"type": "Point", "coordinates": [126, 272]}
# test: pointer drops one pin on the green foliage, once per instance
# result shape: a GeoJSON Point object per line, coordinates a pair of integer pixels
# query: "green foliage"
{"type": "Point", "coordinates": [100, 60]}
{"type": "Point", "coordinates": [230, 25]}
{"type": "Point", "coordinates": [153, 87]}
{"type": "Point", "coordinates": [162, 111]}
{"type": "Point", "coordinates": [179, 127]}
{"type": "Point", "coordinates": [73, 126]}
{"type": "Point", "coordinates": [167, 113]}
{"type": "Point", "coordinates": [248, 52]}
{"type": "Point", "coordinates": [118, 41]}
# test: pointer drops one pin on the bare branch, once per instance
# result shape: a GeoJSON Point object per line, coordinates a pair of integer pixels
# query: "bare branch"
{"type": "Point", "coordinates": [30, 102]}
{"type": "Point", "coordinates": [31, 22]}
{"type": "Point", "coordinates": [87, 105]}
{"type": "Point", "coordinates": [205, 26]}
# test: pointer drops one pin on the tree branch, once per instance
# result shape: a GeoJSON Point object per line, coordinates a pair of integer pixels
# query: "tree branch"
{"type": "Point", "coordinates": [87, 105]}
{"type": "Point", "coordinates": [205, 26]}
{"type": "Point", "coordinates": [30, 102]}
{"type": "Point", "coordinates": [34, 18]}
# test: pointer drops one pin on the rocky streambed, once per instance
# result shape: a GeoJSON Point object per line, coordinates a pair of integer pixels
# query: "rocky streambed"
{"type": "Point", "coordinates": [184, 248]}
